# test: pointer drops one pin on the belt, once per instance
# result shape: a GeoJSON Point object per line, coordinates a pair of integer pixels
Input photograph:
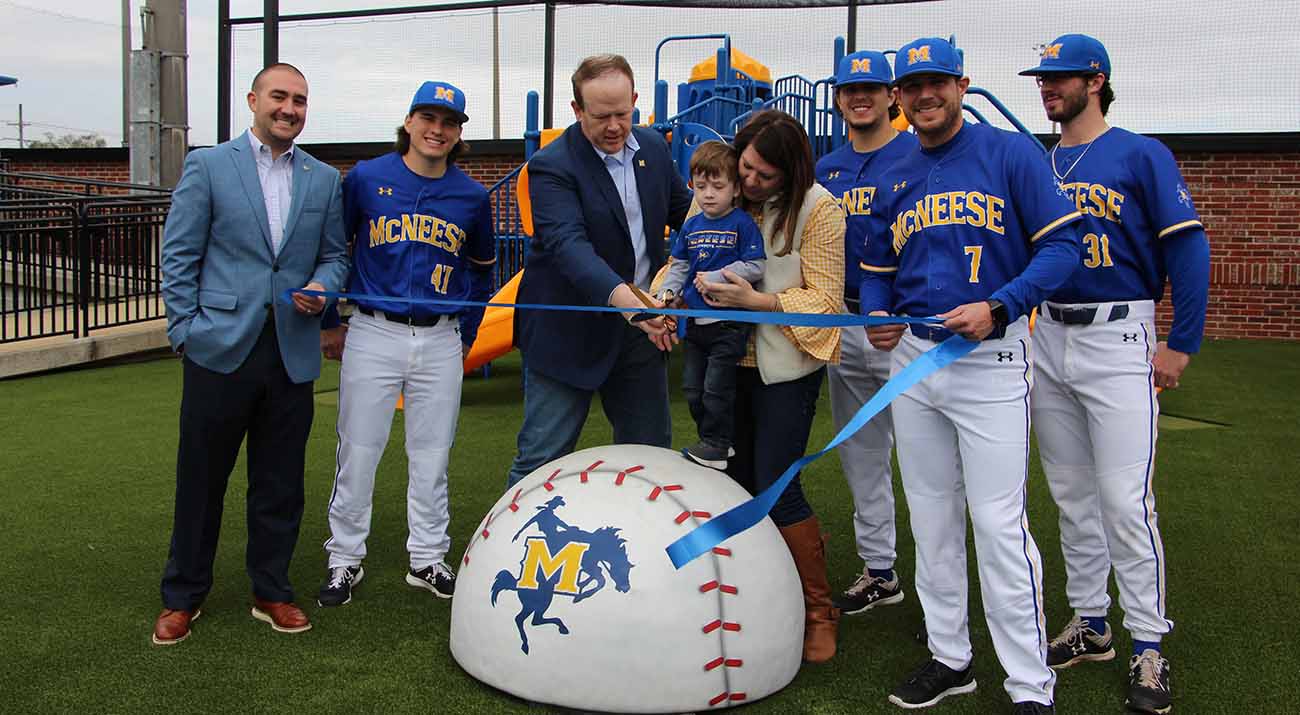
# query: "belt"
{"type": "Point", "coordinates": [417, 321]}
{"type": "Point", "coordinates": [1084, 315]}
{"type": "Point", "coordinates": [853, 304]}
{"type": "Point", "coordinates": [939, 334]}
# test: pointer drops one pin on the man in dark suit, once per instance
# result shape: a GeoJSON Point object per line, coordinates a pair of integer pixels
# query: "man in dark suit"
{"type": "Point", "coordinates": [602, 194]}
{"type": "Point", "coordinates": [250, 218]}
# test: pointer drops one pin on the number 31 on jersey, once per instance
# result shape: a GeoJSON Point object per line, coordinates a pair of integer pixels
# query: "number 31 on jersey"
{"type": "Point", "coordinates": [1097, 250]}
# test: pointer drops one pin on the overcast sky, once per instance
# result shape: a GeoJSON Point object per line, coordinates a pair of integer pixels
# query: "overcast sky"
{"type": "Point", "coordinates": [1179, 65]}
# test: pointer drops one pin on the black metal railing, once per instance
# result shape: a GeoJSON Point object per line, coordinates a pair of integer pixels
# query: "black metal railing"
{"type": "Point", "coordinates": [512, 242]}
{"type": "Point", "coordinates": [77, 255]}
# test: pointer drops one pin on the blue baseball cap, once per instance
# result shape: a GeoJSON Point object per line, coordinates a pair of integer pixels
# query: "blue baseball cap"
{"type": "Point", "coordinates": [440, 94]}
{"type": "Point", "coordinates": [1072, 53]}
{"type": "Point", "coordinates": [928, 55]}
{"type": "Point", "coordinates": [864, 67]}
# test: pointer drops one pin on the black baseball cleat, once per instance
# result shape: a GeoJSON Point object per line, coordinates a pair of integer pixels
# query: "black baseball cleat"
{"type": "Point", "coordinates": [867, 592]}
{"type": "Point", "coordinates": [1148, 683]}
{"type": "Point", "coordinates": [1079, 643]}
{"type": "Point", "coordinates": [1030, 707]}
{"type": "Point", "coordinates": [931, 683]}
{"type": "Point", "coordinates": [337, 589]}
{"type": "Point", "coordinates": [437, 579]}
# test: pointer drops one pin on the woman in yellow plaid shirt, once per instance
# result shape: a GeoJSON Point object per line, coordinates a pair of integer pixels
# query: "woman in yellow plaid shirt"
{"type": "Point", "coordinates": [781, 375]}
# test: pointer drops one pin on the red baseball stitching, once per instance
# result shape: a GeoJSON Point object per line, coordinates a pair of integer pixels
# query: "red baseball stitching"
{"type": "Point", "coordinates": [583, 476]}
{"type": "Point", "coordinates": [725, 588]}
{"type": "Point", "coordinates": [726, 696]}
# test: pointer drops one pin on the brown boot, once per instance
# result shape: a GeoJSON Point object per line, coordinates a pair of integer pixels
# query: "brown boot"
{"type": "Point", "coordinates": [821, 618]}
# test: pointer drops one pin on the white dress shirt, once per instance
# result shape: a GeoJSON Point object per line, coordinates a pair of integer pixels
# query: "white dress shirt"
{"type": "Point", "coordinates": [276, 178]}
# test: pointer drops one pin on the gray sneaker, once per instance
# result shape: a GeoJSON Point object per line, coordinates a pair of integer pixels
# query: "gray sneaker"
{"type": "Point", "coordinates": [437, 579]}
{"type": "Point", "coordinates": [1079, 643]}
{"type": "Point", "coordinates": [708, 455]}
{"type": "Point", "coordinates": [868, 592]}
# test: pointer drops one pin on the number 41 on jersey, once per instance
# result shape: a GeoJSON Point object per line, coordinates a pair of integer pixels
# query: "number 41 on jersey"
{"type": "Point", "coordinates": [441, 278]}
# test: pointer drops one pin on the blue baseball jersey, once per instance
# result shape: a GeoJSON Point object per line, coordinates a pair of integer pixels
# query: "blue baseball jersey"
{"type": "Point", "coordinates": [853, 177]}
{"type": "Point", "coordinates": [412, 235]}
{"type": "Point", "coordinates": [711, 244]}
{"type": "Point", "coordinates": [964, 221]}
{"type": "Point", "coordinates": [1131, 195]}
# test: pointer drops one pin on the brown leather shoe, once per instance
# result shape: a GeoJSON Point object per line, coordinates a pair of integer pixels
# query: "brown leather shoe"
{"type": "Point", "coordinates": [821, 617]}
{"type": "Point", "coordinates": [283, 616]}
{"type": "Point", "coordinates": [173, 626]}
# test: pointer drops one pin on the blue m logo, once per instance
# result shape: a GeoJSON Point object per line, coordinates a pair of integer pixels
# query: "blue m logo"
{"type": "Point", "coordinates": [565, 560]}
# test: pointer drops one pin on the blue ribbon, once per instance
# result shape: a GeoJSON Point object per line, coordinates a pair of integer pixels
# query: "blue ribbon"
{"type": "Point", "coordinates": [803, 320]}
{"type": "Point", "coordinates": [704, 537]}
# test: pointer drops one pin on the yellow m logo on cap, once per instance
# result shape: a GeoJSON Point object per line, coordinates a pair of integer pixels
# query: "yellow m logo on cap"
{"type": "Point", "coordinates": [861, 65]}
{"type": "Point", "coordinates": [445, 93]}
{"type": "Point", "coordinates": [1052, 51]}
{"type": "Point", "coordinates": [918, 54]}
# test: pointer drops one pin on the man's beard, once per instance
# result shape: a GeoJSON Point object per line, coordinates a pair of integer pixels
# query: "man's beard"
{"type": "Point", "coordinates": [1072, 105]}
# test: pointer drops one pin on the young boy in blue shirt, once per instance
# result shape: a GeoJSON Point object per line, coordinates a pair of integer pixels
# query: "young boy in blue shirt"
{"type": "Point", "coordinates": [717, 238]}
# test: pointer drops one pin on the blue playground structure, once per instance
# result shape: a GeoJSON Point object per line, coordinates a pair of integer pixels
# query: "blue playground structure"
{"type": "Point", "coordinates": [718, 97]}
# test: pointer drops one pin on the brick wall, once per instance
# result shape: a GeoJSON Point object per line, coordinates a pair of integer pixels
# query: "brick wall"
{"type": "Point", "coordinates": [107, 169]}
{"type": "Point", "coordinates": [1250, 205]}
{"type": "Point", "coordinates": [1249, 201]}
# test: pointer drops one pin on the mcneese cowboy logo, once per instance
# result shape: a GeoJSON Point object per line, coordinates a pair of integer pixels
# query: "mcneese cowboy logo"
{"type": "Point", "coordinates": [918, 54]}
{"type": "Point", "coordinates": [565, 561]}
{"type": "Point", "coordinates": [860, 65]}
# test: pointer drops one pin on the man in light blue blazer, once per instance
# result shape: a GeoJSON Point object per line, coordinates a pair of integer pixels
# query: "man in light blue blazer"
{"type": "Point", "coordinates": [250, 218]}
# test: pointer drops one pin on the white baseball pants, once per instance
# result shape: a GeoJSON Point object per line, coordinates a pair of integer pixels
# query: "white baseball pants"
{"type": "Point", "coordinates": [963, 443]}
{"type": "Point", "coordinates": [866, 455]}
{"type": "Point", "coordinates": [382, 359]}
{"type": "Point", "coordinates": [1095, 411]}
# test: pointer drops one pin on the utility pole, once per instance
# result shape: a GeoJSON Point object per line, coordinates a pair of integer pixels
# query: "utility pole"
{"type": "Point", "coordinates": [126, 72]}
{"type": "Point", "coordinates": [21, 143]}
{"type": "Point", "coordinates": [160, 120]}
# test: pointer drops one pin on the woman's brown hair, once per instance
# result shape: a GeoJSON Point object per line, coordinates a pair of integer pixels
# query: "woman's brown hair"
{"type": "Point", "coordinates": [782, 142]}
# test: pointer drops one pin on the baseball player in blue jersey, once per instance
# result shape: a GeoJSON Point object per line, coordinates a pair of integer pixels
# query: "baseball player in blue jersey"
{"type": "Point", "coordinates": [852, 174]}
{"type": "Point", "coordinates": [717, 237]}
{"type": "Point", "coordinates": [420, 228]}
{"type": "Point", "coordinates": [978, 235]}
{"type": "Point", "coordinates": [1098, 363]}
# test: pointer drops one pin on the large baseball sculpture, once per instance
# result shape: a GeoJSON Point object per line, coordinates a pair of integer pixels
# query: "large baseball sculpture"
{"type": "Point", "coordinates": [565, 595]}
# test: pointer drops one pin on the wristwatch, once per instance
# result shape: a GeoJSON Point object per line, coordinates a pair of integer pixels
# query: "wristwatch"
{"type": "Point", "coordinates": [1001, 316]}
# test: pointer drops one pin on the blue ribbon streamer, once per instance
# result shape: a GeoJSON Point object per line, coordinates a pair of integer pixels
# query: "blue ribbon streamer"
{"type": "Point", "coordinates": [804, 320]}
{"type": "Point", "coordinates": [704, 537]}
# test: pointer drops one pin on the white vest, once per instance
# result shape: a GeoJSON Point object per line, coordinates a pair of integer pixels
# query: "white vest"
{"type": "Point", "coordinates": [779, 359]}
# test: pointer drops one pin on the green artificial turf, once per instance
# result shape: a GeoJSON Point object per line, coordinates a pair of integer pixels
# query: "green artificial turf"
{"type": "Point", "coordinates": [86, 485]}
